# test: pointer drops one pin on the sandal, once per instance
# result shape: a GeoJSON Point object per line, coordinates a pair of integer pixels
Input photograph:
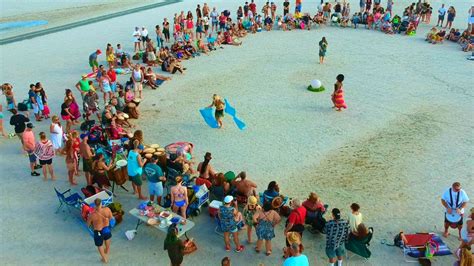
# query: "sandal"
{"type": "Point", "coordinates": [268, 253]}
{"type": "Point", "coordinates": [256, 250]}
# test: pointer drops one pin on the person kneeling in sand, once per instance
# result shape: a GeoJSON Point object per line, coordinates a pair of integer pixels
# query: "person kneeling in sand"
{"type": "Point", "coordinates": [100, 221]}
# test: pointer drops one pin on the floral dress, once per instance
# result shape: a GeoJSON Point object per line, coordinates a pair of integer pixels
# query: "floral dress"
{"type": "Point", "coordinates": [265, 229]}
{"type": "Point", "coordinates": [228, 223]}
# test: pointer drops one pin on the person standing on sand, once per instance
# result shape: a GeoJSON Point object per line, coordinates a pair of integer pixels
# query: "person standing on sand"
{"type": "Point", "coordinates": [220, 105]}
{"type": "Point", "coordinates": [29, 146]}
{"type": "Point", "coordinates": [100, 221]}
{"type": "Point", "coordinates": [93, 63]}
{"type": "Point", "coordinates": [323, 45]}
{"type": "Point", "coordinates": [454, 200]}
{"type": "Point", "coordinates": [86, 154]}
{"type": "Point", "coordinates": [45, 152]}
{"type": "Point", "coordinates": [135, 168]}
{"type": "Point", "coordinates": [441, 13]}
{"type": "Point", "coordinates": [137, 36]}
{"type": "Point", "coordinates": [2, 130]}
{"type": "Point", "coordinates": [83, 85]}
{"type": "Point", "coordinates": [338, 96]}
{"type": "Point", "coordinates": [337, 232]}
{"type": "Point", "coordinates": [229, 216]}
{"type": "Point", "coordinates": [19, 122]}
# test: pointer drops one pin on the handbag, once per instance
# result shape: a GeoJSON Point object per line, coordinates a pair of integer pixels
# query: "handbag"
{"type": "Point", "coordinates": [190, 246]}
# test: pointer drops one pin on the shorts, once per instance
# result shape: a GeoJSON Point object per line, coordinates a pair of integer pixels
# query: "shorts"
{"type": "Point", "coordinates": [137, 180]}
{"type": "Point", "coordinates": [158, 82]}
{"type": "Point", "coordinates": [338, 252]}
{"type": "Point", "coordinates": [113, 86]}
{"type": "Point", "coordinates": [214, 23]}
{"type": "Point", "coordinates": [66, 117]}
{"type": "Point", "coordinates": [155, 188]}
{"type": "Point", "coordinates": [36, 109]}
{"type": "Point", "coordinates": [453, 224]}
{"type": "Point", "coordinates": [87, 165]}
{"type": "Point", "coordinates": [219, 113]}
{"type": "Point", "coordinates": [101, 236]}
{"type": "Point", "coordinates": [206, 27]}
{"type": "Point", "coordinates": [46, 162]}
{"type": "Point", "coordinates": [93, 63]}
{"type": "Point", "coordinates": [31, 157]}
{"type": "Point", "coordinates": [441, 17]}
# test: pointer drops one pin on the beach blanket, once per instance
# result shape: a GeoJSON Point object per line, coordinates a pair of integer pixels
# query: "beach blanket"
{"type": "Point", "coordinates": [208, 115]}
{"type": "Point", "coordinates": [442, 251]}
{"type": "Point", "coordinates": [232, 112]}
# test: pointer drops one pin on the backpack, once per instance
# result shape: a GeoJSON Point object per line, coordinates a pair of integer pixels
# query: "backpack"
{"type": "Point", "coordinates": [398, 240]}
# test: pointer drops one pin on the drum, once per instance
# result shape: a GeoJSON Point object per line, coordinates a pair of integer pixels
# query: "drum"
{"type": "Point", "coordinates": [136, 101]}
{"type": "Point", "coordinates": [148, 155]}
{"type": "Point", "coordinates": [118, 175]}
{"type": "Point", "coordinates": [132, 111]}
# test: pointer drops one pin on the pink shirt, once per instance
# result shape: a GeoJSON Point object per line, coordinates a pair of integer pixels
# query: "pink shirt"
{"type": "Point", "coordinates": [189, 24]}
{"type": "Point", "coordinates": [29, 140]}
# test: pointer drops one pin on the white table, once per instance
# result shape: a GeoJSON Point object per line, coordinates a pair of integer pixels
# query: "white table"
{"type": "Point", "coordinates": [182, 228]}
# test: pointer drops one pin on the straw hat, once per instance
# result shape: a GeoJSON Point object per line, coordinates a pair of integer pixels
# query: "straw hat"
{"type": "Point", "coordinates": [252, 200]}
{"type": "Point", "coordinates": [277, 202]}
{"type": "Point", "coordinates": [293, 238]}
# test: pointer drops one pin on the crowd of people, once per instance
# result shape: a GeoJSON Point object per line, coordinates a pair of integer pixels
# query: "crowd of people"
{"type": "Point", "coordinates": [194, 34]}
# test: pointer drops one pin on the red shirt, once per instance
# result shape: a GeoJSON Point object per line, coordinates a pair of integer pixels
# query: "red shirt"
{"type": "Point", "coordinates": [253, 7]}
{"type": "Point", "coordinates": [112, 75]}
{"type": "Point", "coordinates": [298, 216]}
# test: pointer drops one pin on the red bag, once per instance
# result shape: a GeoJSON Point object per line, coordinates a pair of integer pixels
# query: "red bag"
{"type": "Point", "coordinates": [46, 111]}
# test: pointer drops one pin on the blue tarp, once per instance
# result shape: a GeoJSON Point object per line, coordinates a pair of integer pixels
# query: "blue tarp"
{"type": "Point", "coordinates": [232, 112]}
{"type": "Point", "coordinates": [208, 115]}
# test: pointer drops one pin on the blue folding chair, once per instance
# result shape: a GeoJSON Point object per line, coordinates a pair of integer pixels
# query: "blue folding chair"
{"type": "Point", "coordinates": [73, 200]}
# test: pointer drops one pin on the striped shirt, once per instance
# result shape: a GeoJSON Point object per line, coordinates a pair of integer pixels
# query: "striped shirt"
{"type": "Point", "coordinates": [44, 150]}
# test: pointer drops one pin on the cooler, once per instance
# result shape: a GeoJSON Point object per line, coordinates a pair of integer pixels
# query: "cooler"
{"type": "Point", "coordinates": [214, 207]}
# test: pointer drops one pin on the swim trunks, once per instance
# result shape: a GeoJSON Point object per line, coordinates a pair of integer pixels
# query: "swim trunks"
{"type": "Point", "coordinates": [93, 63]}
{"type": "Point", "coordinates": [101, 236]}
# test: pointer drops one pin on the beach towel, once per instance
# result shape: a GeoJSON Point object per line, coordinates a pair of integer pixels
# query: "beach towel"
{"type": "Point", "coordinates": [209, 118]}
{"type": "Point", "coordinates": [442, 248]}
{"type": "Point", "coordinates": [232, 112]}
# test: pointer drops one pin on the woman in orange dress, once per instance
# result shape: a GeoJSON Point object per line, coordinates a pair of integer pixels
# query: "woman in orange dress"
{"type": "Point", "coordinates": [338, 96]}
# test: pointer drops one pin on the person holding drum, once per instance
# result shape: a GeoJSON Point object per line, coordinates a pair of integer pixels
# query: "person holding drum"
{"type": "Point", "coordinates": [454, 200]}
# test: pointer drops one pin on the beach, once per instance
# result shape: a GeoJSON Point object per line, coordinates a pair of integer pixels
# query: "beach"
{"type": "Point", "coordinates": [406, 136]}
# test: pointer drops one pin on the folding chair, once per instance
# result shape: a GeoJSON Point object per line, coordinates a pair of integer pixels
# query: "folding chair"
{"type": "Point", "coordinates": [73, 200]}
{"type": "Point", "coordinates": [360, 247]}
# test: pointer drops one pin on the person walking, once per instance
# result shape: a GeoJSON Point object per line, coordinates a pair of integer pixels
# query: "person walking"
{"type": "Point", "coordinates": [29, 146]}
{"type": "Point", "coordinates": [454, 200]}
{"type": "Point", "coordinates": [100, 221]}
{"type": "Point", "coordinates": [229, 216]}
{"type": "Point", "coordinates": [44, 150]}
{"type": "Point", "coordinates": [323, 45]}
{"type": "Point", "coordinates": [155, 178]}
{"type": "Point", "coordinates": [266, 221]}
{"type": "Point", "coordinates": [337, 233]}
{"type": "Point", "coordinates": [220, 105]}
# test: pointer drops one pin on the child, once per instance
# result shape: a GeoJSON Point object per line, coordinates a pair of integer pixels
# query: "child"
{"type": "Point", "coordinates": [248, 212]}
{"type": "Point", "coordinates": [338, 96]}
{"type": "Point", "coordinates": [370, 21]}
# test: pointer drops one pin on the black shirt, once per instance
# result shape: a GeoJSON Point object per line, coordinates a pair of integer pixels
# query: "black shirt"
{"type": "Point", "coordinates": [286, 5]}
{"type": "Point", "coordinates": [337, 8]}
{"type": "Point", "coordinates": [18, 121]}
{"type": "Point", "coordinates": [64, 106]}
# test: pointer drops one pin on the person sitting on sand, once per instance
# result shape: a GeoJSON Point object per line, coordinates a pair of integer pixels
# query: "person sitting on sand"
{"type": "Point", "coordinates": [273, 191]}
{"type": "Point", "coordinates": [179, 198]}
{"type": "Point", "coordinates": [154, 80]}
{"type": "Point", "coordinates": [360, 233]}
{"type": "Point", "coordinates": [386, 27]}
{"type": "Point", "coordinates": [338, 95]}
{"type": "Point", "coordinates": [206, 171]}
{"type": "Point", "coordinates": [454, 200]}
{"type": "Point", "coordinates": [355, 20]}
{"type": "Point", "coordinates": [228, 39]}
{"type": "Point", "coordinates": [99, 219]}
{"type": "Point", "coordinates": [313, 205]}
{"type": "Point", "coordinates": [174, 66]}
{"type": "Point", "coordinates": [411, 29]}
{"type": "Point", "coordinates": [243, 186]}
{"type": "Point", "coordinates": [438, 37]}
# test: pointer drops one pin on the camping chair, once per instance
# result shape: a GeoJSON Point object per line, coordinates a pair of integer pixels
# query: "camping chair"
{"type": "Point", "coordinates": [360, 247]}
{"type": "Point", "coordinates": [413, 243]}
{"type": "Point", "coordinates": [73, 200]}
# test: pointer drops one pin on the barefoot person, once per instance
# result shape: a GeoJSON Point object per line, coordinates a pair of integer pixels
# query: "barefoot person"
{"type": "Point", "coordinates": [454, 200]}
{"type": "Point", "coordinates": [100, 221]}
{"type": "Point", "coordinates": [179, 198]}
{"type": "Point", "coordinates": [323, 45]}
{"type": "Point", "coordinates": [44, 150]}
{"type": "Point", "coordinates": [220, 105]}
{"type": "Point", "coordinates": [338, 95]}
{"type": "Point", "coordinates": [135, 164]}
{"type": "Point", "coordinates": [93, 63]}
{"type": "Point", "coordinates": [86, 155]}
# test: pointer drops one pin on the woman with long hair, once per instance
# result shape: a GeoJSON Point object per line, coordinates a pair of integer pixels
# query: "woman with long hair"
{"type": "Point", "coordinates": [323, 45]}
{"type": "Point", "coordinates": [70, 161]}
{"type": "Point", "coordinates": [44, 151]}
{"type": "Point", "coordinates": [174, 246]}
{"type": "Point", "coordinates": [99, 171]}
{"type": "Point", "coordinates": [206, 172]}
{"type": "Point", "coordinates": [266, 220]}
{"type": "Point", "coordinates": [338, 95]}
{"type": "Point", "coordinates": [179, 198]}
{"type": "Point", "coordinates": [135, 164]}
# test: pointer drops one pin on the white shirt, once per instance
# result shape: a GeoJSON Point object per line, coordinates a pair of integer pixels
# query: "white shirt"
{"type": "Point", "coordinates": [454, 195]}
{"type": "Point", "coordinates": [354, 221]}
{"type": "Point", "coordinates": [144, 33]}
{"type": "Point", "coordinates": [205, 21]}
{"type": "Point", "coordinates": [136, 36]}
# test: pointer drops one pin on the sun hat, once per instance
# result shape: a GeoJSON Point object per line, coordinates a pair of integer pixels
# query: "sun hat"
{"type": "Point", "coordinates": [293, 238]}
{"type": "Point", "coordinates": [277, 202]}
{"type": "Point", "coordinates": [228, 199]}
{"type": "Point", "coordinates": [252, 200]}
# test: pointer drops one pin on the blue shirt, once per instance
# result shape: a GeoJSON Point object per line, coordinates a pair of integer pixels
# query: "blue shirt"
{"type": "Point", "coordinates": [153, 172]}
{"type": "Point", "coordinates": [93, 56]}
{"type": "Point", "coordinates": [301, 260]}
{"type": "Point", "coordinates": [133, 168]}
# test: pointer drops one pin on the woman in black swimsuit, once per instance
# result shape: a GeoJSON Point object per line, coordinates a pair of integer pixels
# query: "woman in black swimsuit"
{"type": "Point", "coordinates": [166, 30]}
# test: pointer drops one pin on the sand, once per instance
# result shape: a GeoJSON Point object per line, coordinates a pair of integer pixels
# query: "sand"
{"type": "Point", "coordinates": [405, 137]}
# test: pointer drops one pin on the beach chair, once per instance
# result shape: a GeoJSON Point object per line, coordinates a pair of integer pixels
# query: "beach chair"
{"type": "Point", "coordinates": [413, 244]}
{"type": "Point", "coordinates": [70, 200]}
{"type": "Point", "coordinates": [360, 247]}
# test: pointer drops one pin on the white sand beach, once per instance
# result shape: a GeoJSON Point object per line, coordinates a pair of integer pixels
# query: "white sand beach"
{"type": "Point", "coordinates": [406, 136]}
